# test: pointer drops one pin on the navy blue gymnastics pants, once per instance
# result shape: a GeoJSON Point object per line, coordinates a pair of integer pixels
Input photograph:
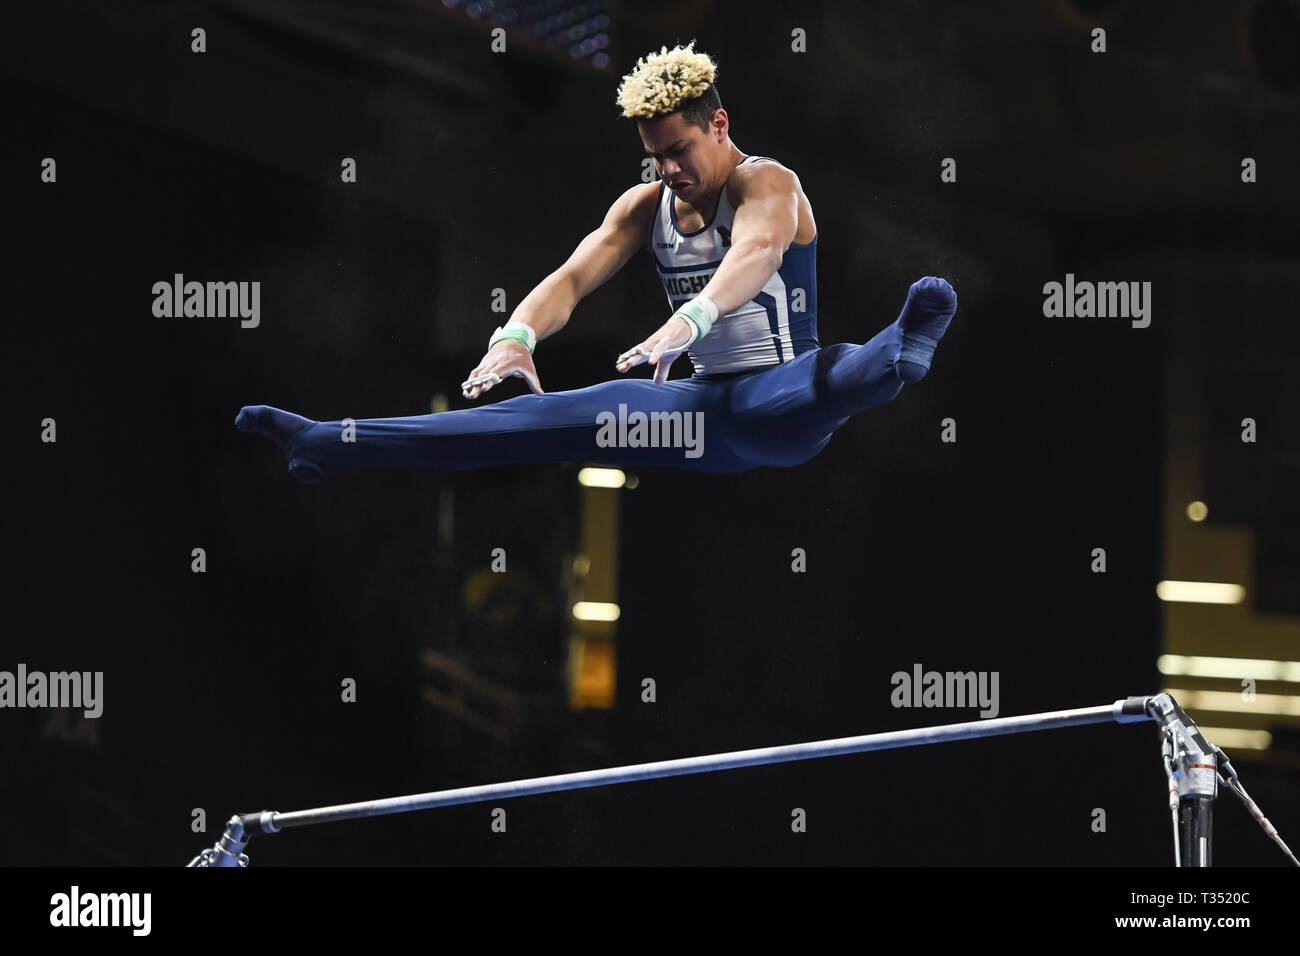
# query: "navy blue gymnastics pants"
{"type": "Point", "coordinates": [775, 417]}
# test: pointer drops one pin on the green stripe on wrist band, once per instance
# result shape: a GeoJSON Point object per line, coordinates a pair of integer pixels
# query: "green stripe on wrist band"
{"type": "Point", "coordinates": [519, 335]}
{"type": "Point", "coordinates": [696, 314]}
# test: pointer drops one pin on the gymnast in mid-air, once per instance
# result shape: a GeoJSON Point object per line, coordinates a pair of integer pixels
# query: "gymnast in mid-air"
{"type": "Point", "coordinates": [735, 245]}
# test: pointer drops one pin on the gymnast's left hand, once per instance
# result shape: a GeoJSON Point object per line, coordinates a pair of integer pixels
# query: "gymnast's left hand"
{"type": "Point", "coordinates": [660, 350]}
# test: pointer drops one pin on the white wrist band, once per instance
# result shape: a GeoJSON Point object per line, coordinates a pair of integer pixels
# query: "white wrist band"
{"type": "Point", "coordinates": [513, 330]}
{"type": "Point", "coordinates": [532, 334]}
{"type": "Point", "coordinates": [700, 313]}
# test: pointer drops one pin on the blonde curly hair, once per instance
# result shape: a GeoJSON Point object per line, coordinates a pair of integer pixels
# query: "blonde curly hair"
{"type": "Point", "coordinates": [663, 82]}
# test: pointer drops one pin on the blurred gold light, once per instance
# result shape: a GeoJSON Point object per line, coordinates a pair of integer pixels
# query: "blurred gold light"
{"type": "Point", "coordinates": [1197, 511]}
{"type": "Point", "coordinates": [1235, 668]}
{"type": "Point", "coordinates": [595, 611]}
{"type": "Point", "coordinates": [1200, 592]}
{"type": "Point", "coordinates": [1231, 701]}
{"type": "Point", "coordinates": [1237, 738]}
{"type": "Point", "coordinates": [592, 673]}
{"type": "Point", "coordinates": [601, 477]}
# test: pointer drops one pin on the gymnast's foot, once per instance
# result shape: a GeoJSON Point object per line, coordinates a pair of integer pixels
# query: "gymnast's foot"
{"type": "Point", "coordinates": [930, 305]}
{"type": "Point", "coordinates": [281, 427]}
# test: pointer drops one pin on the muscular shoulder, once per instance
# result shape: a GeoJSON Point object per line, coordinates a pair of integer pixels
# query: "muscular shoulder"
{"type": "Point", "coordinates": [764, 178]}
{"type": "Point", "coordinates": [636, 207]}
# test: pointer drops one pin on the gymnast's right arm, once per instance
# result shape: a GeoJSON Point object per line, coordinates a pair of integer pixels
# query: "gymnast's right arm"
{"type": "Point", "coordinates": [546, 309]}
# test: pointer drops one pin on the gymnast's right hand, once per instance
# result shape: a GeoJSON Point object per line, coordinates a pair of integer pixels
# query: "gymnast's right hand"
{"type": "Point", "coordinates": [508, 357]}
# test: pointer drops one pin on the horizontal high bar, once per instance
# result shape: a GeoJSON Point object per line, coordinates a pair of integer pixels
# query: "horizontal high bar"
{"type": "Point", "coordinates": [1129, 710]}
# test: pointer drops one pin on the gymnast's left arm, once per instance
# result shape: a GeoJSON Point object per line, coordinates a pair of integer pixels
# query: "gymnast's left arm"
{"type": "Point", "coordinates": [767, 217]}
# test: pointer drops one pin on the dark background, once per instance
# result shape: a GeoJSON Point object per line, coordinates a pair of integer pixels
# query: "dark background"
{"type": "Point", "coordinates": [482, 170]}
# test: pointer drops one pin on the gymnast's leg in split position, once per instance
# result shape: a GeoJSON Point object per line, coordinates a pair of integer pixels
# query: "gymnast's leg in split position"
{"type": "Point", "coordinates": [775, 417]}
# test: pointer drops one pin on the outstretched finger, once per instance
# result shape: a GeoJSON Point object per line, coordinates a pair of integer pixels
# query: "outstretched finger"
{"type": "Point", "coordinates": [531, 379]}
{"type": "Point", "coordinates": [632, 358]}
{"type": "Point", "coordinates": [662, 364]}
{"type": "Point", "coordinates": [478, 384]}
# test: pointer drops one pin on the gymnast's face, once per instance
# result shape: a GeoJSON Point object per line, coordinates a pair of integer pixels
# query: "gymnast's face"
{"type": "Point", "coordinates": [691, 161]}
